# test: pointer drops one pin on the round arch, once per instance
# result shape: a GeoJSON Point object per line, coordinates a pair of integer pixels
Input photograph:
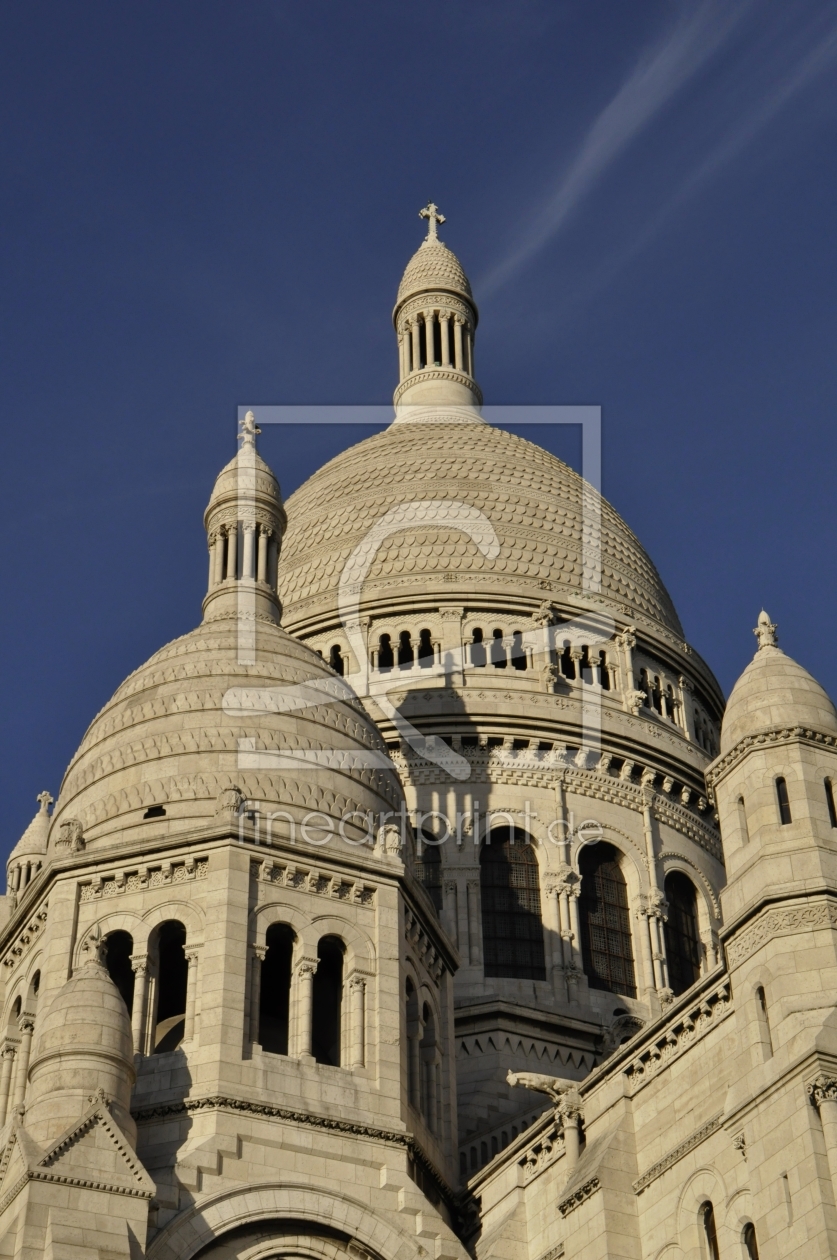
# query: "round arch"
{"type": "Point", "coordinates": [193, 1230]}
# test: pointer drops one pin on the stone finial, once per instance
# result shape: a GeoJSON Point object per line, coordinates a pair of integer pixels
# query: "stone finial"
{"type": "Point", "coordinates": [248, 430]}
{"type": "Point", "coordinates": [765, 631]}
{"type": "Point", "coordinates": [95, 948]}
{"type": "Point", "coordinates": [431, 213]}
{"type": "Point", "coordinates": [44, 800]}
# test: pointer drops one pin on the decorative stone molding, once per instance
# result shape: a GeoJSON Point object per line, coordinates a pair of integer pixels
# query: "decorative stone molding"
{"type": "Point", "coordinates": [144, 877]}
{"type": "Point", "coordinates": [739, 1143]}
{"type": "Point", "coordinates": [579, 1196]}
{"type": "Point", "coordinates": [70, 836]}
{"type": "Point", "coordinates": [779, 921]}
{"type": "Point", "coordinates": [674, 1038]}
{"type": "Point", "coordinates": [543, 1154]}
{"type": "Point", "coordinates": [677, 1153]}
{"type": "Point", "coordinates": [26, 938]}
{"type": "Point", "coordinates": [306, 879]}
{"type": "Point", "coordinates": [422, 945]}
{"type": "Point", "coordinates": [778, 735]}
{"type": "Point", "coordinates": [554, 1253]}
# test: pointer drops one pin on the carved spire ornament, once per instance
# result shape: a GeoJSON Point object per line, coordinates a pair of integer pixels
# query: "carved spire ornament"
{"type": "Point", "coordinates": [248, 429]}
{"type": "Point", "coordinates": [431, 213]}
{"type": "Point", "coordinates": [765, 631]}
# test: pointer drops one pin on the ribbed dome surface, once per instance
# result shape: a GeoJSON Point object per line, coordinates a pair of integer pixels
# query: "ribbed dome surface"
{"type": "Point", "coordinates": [774, 692]}
{"type": "Point", "coordinates": [33, 842]}
{"type": "Point", "coordinates": [87, 1012]}
{"type": "Point", "coordinates": [246, 473]}
{"type": "Point", "coordinates": [532, 499]}
{"type": "Point", "coordinates": [433, 266]}
{"type": "Point", "coordinates": [165, 738]}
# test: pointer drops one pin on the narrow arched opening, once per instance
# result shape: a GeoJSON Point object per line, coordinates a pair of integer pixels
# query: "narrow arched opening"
{"type": "Point", "coordinates": [327, 1001]}
{"type": "Point", "coordinates": [336, 661]}
{"type": "Point", "coordinates": [748, 1237]}
{"type": "Point", "coordinates": [172, 979]}
{"type": "Point", "coordinates": [829, 800]}
{"type": "Point", "coordinates": [783, 802]}
{"type": "Point", "coordinates": [512, 929]}
{"type": "Point", "coordinates": [429, 1068]}
{"type": "Point", "coordinates": [710, 1233]}
{"type": "Point", "coordinates": [518, 651]}
{"type": "Point", "coordinates": [406, 655]}
{"type": "Point", "coordinates": [763, 1023]}
{"type": "Point", "coordinates": [425, 649]}
{"type": "Point", "coordinates": [606, 945]}
{"type": "Point", "coordinates": [681, 932]}
{"type": "Point", "coordinates": [477, 652]}
{"type": "Point", "coordinates": [498, 651]}
{"type": "Point", "coordinates": [119, 947]}
{"type": "Point", "coordinates": [275, 989]}
{"type": "Point", "coordinates": [386, 656]}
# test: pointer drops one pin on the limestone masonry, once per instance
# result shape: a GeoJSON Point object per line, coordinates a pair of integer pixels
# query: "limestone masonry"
{"type": "Point", "coordinates": [424, 901]}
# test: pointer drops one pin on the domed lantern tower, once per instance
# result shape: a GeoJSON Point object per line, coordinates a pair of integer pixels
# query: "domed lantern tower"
{"type": "Point", "coordinates": [461, 545]}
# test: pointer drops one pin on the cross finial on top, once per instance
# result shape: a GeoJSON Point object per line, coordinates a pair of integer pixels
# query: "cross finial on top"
{"type": "Point", "coordinates": [431, 213]}
{"type": "Point", "coordinates": [248, 430]}
{"type": "Point", "coordinates": [765, 631]}
{"type": "Point", "coordinates": [44, 800]}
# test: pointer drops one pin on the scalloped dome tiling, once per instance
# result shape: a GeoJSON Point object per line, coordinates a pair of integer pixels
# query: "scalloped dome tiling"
{"type": "Point", "coordinates": [166, 740]}
{"type": "Point", "coordinates": [533, 500]}
{"type": "Point", "coordinates": [433, 266]}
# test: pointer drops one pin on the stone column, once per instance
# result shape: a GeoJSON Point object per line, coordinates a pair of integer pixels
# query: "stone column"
{"type": "Point", "coordinates": [264, 543]}
{"type": "Point", "coordinates": [357, 1015]}
{"type": "Point", "coordinates": [139, 966]}
{"type": "Point", "coordinates": [248, 566]}
{"type": "Point", "coordinates": [687, 712]}
{"type": "Point", "coordinates": [415, 333]}
{"type": "Point", "coordinates": [570, 1111]}
{"type": "Point", "coordinates": [218, 557]}
{"type": "Point", "coordinates": [430, 1066]}
{"type": "Point", "coordinates": [444, 325]}
{"type": "Point", "coordinates": [304, 1001]}
{"type": "Point", "coordinates": [469, 351]}
{"type": "Point", "coordinates": [415, 1032]}
{"type": "Point", "coordinates": [555, 944]}
{"type": "Point", "coordinates": [458, 323]}
{"type": "Point", "coordinates": [232, 552]}
{"type": "Point", "coordinates": [27, 1027]}
{"type": "Point", "coordinates": [402, 353]}
{"type": "Point", "coordinates": [645, 947]}
{"type": "Point", "coordinates": [191, 993]}
{"type": "Point", "coordinates": [626, 642]}
{"type": "Point", "coordinates": [6, 1081]}
{"type": "Point", "coordinates": [256, 960]}
{"type": "Point", "coordinates": [823, 1094]}
{"type": "Point", "coordinates": [430, 337]}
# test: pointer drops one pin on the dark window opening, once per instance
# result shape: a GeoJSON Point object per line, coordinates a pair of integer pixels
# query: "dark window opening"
{"type": "Point", "coordinates": [422, 344]}
{"type": "Point", "coordinates": [707, 1215]}
{"type": "Point", "coordinates": [16, 1008]}
{"type": "Point", "coordinates": [36, 983]}
{"type": "Point", "coordinates": [511, 907]}
{"type": "Point", "coordinates": [478, 655]}
{"type": "Point", "coordinates": [498, 651]}
{"type": "Point", "coordinates": [172, 978]}
{"type": "Point", "coordinates": [335, 660]}
{"type": "Point", "coordinates": [604, 672]}
{"type": "Point", "coordinates": [829, 796]}
{"type": "Point", "coordinates": [657, 696]}
{"type": "Point", "coordinates": [681, 932]}
{"type": "Point", "coordinates": [425, 649]}
{"type": "Point", "coordinates": [519, 744]}
{"type": "Point", "coordinates": [275, 989]}
{"type": "Point", "coordinates": [518, 651]}
{"type": "Point", "coordinates": [494, 741]}
{"type": "Point", "coordinates": [436, 343]}
{"type": "Point", "coordinates": [606, 947]}
{"type": "Point", "coordinates": [764, 1021]}
{"type": "Point", "coordinates": [470, 741]}
{"type": "Point", "coordinates": [327, 1001]}
{"type": "Point", "coordinates": [784, 803]}
{"type": "Point", "coordinates": [671, 703]}
{"type": "Point", "coordinates": [749, 1240]}
{"type": "Point", "coordinates": [406, 655]}
{"type": "Point", "coordinates": [386, 657]}
{"type": "Point", "coordinates": [120, 946]}
{"type": "Point", "coordinates": [429, 869]}
{"type": "Point", "coordinates": [567, 663]}
{"type": "Point", "coordinates": [155, 811]}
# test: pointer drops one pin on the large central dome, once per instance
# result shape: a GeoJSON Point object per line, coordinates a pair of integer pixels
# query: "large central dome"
{"type": "Point", "coordinates": [532, 499]}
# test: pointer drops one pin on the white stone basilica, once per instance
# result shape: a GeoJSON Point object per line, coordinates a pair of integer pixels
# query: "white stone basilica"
{"type": "Point", "coordinates": [424, 901]}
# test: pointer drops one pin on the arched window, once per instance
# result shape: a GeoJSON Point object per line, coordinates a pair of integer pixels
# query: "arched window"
{"type": "Point", "coordinates": [681, 932]}
{"type": "Point", "coordinates": [512, 931]}
{"type": "Point", "coordinates": [386, 657]}
{"type": "Point", "coordinates": [498, 651]}
{"type": "Point", "coordinates": [275, 989]}
{"type": "Point", "coordinates": [763, 1019]}
{"type": "Point", "coordinates": [335, 660]}
{"type": "Point", "coordinates": [742, 821]}
{"type": "Point", "coordinates": [18, 1002]}
{"type": "Point", "coordinates": [784, 803]}
{"type": "Point", "coordinates": [604, 672]}
{"type": "Point", "coordinates": [172, 977]}
{"type": "Point", "coordinates": [707, 1216]}
{"type": "Point", "coordinates": [477, 647]}
{"type": "Point", "coordinates": [606, 947]}
{"type": "Point", "coordinates": [120, 946]}
{"type": "Point", "coordinates": [406, 655]}
{"type": "Point", "coordinates": [567, 663]}
{"type": "Point", "coordinates": [829, 799]}
{"type": "Point", "coordinates": [327, 1001]}
{"type": "Point", "coordinates": [429, 870]}
{"type": "Point", "coordinates": [518, 651]}
{"type": "Point", "coordinates": [429, 1061]}
{"type": "Point", "coordinates": [748, 1238]}
{"type": "Point", "coordinates": [425, 649]}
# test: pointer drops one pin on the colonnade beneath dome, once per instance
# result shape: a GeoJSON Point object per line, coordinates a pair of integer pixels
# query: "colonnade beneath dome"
{"type": "Point", "coordinates": [245, 551]}
{"type": "Point", "coordinates": [435, 337]}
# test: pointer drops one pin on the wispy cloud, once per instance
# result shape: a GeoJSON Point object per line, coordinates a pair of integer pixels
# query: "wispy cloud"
{"type": "Point", "coordinates": [661, 73]}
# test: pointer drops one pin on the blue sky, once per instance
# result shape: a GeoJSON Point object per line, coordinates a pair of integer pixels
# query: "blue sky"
{"type": "Point", "coordinates": [205, 204]}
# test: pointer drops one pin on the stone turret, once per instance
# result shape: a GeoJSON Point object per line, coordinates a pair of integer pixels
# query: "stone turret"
{"type": "Point", "coordinates": [27, 856]}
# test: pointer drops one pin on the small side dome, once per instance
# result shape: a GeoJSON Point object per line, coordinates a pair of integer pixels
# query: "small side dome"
{"type": "Point", "coordinates": [83, 1044]}
{"type": "Point", "coordinates": [26, 857]}
{"type": "Point", "coordinates": [434, 267]}
{"type": "Point", "coordinates": [774, 692]}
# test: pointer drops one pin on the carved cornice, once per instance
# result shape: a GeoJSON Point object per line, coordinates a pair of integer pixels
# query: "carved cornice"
{"type": "Point", "coordinates": [675, 1037]}
{"type": "Point", "coordinates": [778, 735]}
{"type": "Point", "coordinates": [779, 921]}
{"type": "Point", "coordinates": [104, 886]}
{"type": "Point", "coordinates": [677, 1153]}
{"type": "Point", "coordinates": [313, 881]}
{"type": "Point", "coordinates": [579, 1196]}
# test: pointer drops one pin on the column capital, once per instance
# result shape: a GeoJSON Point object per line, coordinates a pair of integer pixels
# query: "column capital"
{"type": "Point", "coordinates": [27, 1024]}
{"type": "Point", "coordinates": [357, 982]}
{"type": "Point", "coordinates": [139, 964]}
{"type": "Point", "coordinates": [8, 1052]}
{"type": "Point", "coordinates": [306, 968]}
{"type": "Point", "coordinates": [822, 1089]}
